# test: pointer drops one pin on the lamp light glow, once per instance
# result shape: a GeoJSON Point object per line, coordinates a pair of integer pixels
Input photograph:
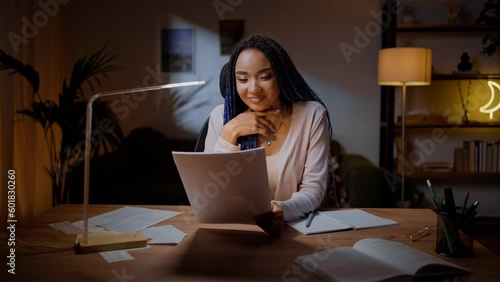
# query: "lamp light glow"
{"type": "Point", "coordinates": [484, 109]}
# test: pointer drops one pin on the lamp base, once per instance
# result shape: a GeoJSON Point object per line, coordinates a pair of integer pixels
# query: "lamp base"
{"type": "Point", "coordinates": [109, 242]}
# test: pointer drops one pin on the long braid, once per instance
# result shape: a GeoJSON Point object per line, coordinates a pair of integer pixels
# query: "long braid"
{"type": "Point", "coordinates": [293, 87]}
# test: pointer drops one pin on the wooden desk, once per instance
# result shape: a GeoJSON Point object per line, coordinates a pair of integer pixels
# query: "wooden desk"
{"type": "Point", "coordinates": [214, 252]}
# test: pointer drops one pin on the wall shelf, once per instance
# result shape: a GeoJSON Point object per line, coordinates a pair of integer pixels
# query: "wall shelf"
{"type": "Point", "coordinates": [421, 175]}
{"type": "Point", "coordinates": [446, 28]}
{"type": "Point", "coordinates": [451, 125]}
{"type": "Point", "coordinates": [443, 76]}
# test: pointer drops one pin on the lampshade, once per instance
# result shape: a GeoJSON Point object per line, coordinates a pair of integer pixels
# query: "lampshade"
{"type": "Point", "coordinates": [404, 65]}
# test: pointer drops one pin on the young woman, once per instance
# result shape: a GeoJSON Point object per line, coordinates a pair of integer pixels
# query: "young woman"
{"type": "Point", "coordinates": [268, 104]}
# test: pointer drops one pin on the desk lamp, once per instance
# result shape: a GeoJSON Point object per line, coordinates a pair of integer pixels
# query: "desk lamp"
{"type": "Point", "coordinates": [404, 66]}
{"type": "Point", "coordinates": [107, 242]}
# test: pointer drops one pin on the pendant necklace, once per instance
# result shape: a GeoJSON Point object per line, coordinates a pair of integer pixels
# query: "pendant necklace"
{"type": "Point", "coordinates": [268, 142]}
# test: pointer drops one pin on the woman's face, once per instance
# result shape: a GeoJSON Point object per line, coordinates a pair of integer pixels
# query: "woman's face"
{"type": "Point", "coordinates": [255, 81]}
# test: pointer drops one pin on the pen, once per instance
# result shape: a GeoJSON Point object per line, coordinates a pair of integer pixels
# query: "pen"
{"type": "Point", "coordinates": [464, 204]}
{"type": "Point", "coordinates": [471, 211]}
{"type": "Point", "coordinates": [309, 219]}
{"type": "Point", "coordinates": [433, 193]}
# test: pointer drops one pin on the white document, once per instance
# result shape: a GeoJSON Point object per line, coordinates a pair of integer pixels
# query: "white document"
{"type": "Point", "coordinates": [163, 235]}
{"type": "Point", "coordinates": [225, 187]}
{"type": "Point", "coordinates": [128, 219]}
{"type": "Point", "coordinates": [116, 256]}
{"type": "Point", "coordinates": [330, 221]}
{"type": "Point", "coordinates": [374, 259]}
{"type": "Point", "coordinates": [67, 227]}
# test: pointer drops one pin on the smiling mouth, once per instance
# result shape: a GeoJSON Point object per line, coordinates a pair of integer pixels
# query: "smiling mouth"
{"type": "Point", "coordinates": [255, 99]}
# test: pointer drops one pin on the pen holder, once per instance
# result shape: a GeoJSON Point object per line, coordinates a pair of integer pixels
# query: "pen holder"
{"type": "Point", "coordinates": [454, 237]}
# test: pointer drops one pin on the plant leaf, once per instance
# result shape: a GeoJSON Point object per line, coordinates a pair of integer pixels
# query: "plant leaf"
{"type": "Point", "coordinates": [8, 62]}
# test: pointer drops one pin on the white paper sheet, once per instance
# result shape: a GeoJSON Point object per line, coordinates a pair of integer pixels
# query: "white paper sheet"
{"type": "Point", "coordinates": [165, 234]}
{"type": "Point", "coordinates": [128, 219]}
{"type": "Point", "coordinates": [225, 187]}
{"type": "Point", "coordinates": [67, 227]}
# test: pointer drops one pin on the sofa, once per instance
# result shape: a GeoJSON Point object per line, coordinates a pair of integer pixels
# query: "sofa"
{"type": "Point", "coordinates": [364, 182]}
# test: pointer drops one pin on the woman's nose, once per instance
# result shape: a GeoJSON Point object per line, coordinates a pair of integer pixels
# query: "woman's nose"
{"type": "Point", "coordinates": [255, 87]}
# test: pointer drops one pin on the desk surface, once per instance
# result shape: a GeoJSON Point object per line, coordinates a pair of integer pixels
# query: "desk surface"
{"type": "Point", "coordinates": [218, 252]}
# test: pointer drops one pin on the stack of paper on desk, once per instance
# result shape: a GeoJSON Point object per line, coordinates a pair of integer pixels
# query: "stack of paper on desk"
{"type": "Point", "coordinates": [330, 221]}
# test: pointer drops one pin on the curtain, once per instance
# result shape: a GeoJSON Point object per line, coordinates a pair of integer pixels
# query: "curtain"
{"type": "Point", "coordinates": [23, 147]}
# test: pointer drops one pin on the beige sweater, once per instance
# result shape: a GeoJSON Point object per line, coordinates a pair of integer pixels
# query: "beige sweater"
{"type": "Point", "coordinates": [302, 165]}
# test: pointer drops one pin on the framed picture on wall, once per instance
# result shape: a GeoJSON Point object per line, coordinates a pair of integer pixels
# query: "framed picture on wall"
{"type": "Point", "coordinates": [177, 50]}
{"type": "Point", "coordinates": [230, 33]}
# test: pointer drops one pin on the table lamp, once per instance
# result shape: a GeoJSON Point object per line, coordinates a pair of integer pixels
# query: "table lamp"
{"type": "Point", "coordinates": [110, 241]}
{"type": "Point", "coordinates": [404, 66]}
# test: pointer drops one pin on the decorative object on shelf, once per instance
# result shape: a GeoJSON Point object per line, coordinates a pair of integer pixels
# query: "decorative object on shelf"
{"type": "Point", "coordinates": [491, 110]}
{"type": "Point", "coordinates": [453, 11]}
{"type": "Point", "coordinates": [490, 15]}
{"type": "Point", "coordinates": [408, 19]}
{"type": "Point", "coordinates": [465, 64]}
{"type": "Point", "coordinates": [465, 102]}
{"type": "Point", "coordinates": [404, 66]}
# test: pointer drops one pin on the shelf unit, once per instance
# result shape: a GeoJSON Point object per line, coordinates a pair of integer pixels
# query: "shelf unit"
{"type": "Point", "coordinates": [389, 128]}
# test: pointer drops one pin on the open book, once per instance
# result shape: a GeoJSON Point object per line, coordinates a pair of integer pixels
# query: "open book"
{"type": "Point", "coordinates": [330, 221]}
{"type": "Point", "coordinates": [375, 260]}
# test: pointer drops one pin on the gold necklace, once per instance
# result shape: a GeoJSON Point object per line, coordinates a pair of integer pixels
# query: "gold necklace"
{"type": "Point", "coordinates": [268, 142]}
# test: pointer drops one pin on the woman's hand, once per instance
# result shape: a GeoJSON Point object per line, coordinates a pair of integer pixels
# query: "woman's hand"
{"type": "Point", "coordinates": [271, 222]}
{"type": "Point", "coordinates": [248, 123]}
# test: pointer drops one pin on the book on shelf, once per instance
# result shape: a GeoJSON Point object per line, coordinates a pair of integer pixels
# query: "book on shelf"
{"type": "Point", "coordinates": [436, 166]}
{"type": "Point", "coordinates": [458, 159]}
{"type": "Point", "coordinates": [340, 220]}
{"type": "Point", "coordinates": [482, 156]}
{"type": "Point", "coordinates": [374, 259]}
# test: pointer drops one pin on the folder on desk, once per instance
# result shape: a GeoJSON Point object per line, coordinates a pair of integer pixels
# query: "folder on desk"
{"type": "Point", "coordinates": [225, 187]}
{"type": "Point", "coordinates": [339, 220]}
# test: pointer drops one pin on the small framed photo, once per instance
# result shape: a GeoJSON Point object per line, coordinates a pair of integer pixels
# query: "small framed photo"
{"type": "Point", "coordinates": [230, 33]}
{"type": "Point", "coordinates": [177, 50]}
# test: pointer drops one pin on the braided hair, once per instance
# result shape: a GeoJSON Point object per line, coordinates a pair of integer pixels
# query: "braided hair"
{"type": "Point", "coordinates": [293, 87]}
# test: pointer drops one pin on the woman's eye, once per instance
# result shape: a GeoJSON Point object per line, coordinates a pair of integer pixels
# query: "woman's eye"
{"type": "Point", "coordinates": [265, 77]}
{"type": "Point", "coordinates": [242, 80]}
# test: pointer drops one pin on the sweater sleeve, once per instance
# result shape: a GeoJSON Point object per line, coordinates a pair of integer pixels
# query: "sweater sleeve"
{"type": "Point", "coordinates": [214, 143]}
{"type": "Point", "coordinates": [312, 187]}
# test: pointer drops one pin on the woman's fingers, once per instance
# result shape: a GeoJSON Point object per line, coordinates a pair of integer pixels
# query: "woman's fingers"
{"type": "Point", "coordinates": [249, 123]}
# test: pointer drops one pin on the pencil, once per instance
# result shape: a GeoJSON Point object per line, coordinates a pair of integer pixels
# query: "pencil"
{"type": "Point", "coordinates": [464, 204]}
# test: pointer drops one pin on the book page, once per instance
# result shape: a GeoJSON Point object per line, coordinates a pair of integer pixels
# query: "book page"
{"type": "Point", "coordinates": [406, 259]}
{"type": "Point", "coordinates": [319, 224]}
{"type": "Point", "coordinates": [359, 218]}
{"type": "Point", "coordinates": [346, 264]}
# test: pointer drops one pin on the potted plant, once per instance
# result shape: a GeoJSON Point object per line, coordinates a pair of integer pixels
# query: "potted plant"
{"type": "Point", "coordinates": [490, 15]}
{"type": "Point", "coordinates": [67, 115]}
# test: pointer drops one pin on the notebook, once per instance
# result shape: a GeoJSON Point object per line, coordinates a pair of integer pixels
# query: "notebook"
{"type": "Point", "coordinates": [225, 187]}
{"type": "Point", "coordinates": [340, 220]}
